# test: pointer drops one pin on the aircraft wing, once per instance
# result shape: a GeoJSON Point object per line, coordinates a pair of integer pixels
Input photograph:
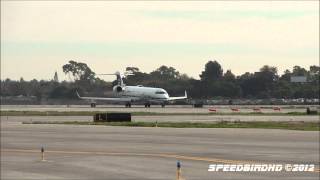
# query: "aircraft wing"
{"type": "Point", "coordinates": [104, 99]}
{"type": "Point", "coordinates": [181, 97]}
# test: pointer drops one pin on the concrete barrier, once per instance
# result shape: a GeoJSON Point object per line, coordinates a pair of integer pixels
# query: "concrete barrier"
{"type": "Point", "coordinates": [119, 117]}
{"type": "Point", "coordinates": [311, 110]}
{"type": "Point", "coordinates": [112, 117]}
{"type": "Point", "coordinates": [100, 117]}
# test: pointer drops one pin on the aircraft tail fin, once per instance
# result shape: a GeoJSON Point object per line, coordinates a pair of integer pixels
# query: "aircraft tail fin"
{"type": "Point", "coordinates": [120, 77]}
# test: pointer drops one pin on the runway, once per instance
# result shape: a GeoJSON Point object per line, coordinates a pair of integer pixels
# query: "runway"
{"type": "Point", "coordinates": [101, 152]}
{"type": "Point", "coordinates": [158, 109]}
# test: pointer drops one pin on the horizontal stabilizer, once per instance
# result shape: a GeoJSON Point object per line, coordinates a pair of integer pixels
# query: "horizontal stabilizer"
{"type": "Point", "coordinates": [182, 97]}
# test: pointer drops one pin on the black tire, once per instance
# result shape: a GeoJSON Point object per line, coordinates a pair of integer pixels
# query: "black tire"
{"type": "Point", "coordinates": [128, 105]}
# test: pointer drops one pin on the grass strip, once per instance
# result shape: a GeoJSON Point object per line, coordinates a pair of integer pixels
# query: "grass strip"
{"type": "Point", "coordinates": [304, 126]}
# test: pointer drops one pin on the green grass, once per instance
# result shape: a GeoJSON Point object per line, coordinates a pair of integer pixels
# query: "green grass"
{"type": "Point", "coordinates": [91, 113]}
{"type": "Point", "coordinates": [305, 126]}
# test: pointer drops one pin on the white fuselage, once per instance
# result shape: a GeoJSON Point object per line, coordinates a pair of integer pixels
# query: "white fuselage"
{"type": "Point", "coordinates": [141, 93]}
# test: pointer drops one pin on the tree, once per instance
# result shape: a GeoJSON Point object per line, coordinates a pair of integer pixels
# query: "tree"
{"type": "Point", "coordinates": [184, 77]}
{"type": "Point", "coordinates": [314, 74]}
{"type": "Point", "coordinates": [165, 73]}
{"type": "Point", "coordinates": [247, 82]}
{"type": "Point", "coordinates": [299, 71]}
{"type": "Point", "coordinates": [286, 76]}
{"type": "Point", "coordinates": [229, 76]}
{"type": "Point", "coordinates": [268, 74]}
{"type": "Point", "coordinates": [315, 70]}
{"type": "Point", "coordinates": [132, 70]}
{"type": "Point", "coordinates": [262, 82]}
{"type": "Point", "coordinates": [80, 71]}
{"type": "Point", "coordinates": [212, 72]}
{"type": "Point", "coordinates": [228, 89]}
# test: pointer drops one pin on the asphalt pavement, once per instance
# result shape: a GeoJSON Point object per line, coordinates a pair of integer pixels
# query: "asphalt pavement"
{"type": "Point", "coordinates": [101, 152]}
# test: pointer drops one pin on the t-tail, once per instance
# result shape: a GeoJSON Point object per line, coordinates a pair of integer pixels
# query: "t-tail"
{"type": "Point", "coordinates": [119, 77]}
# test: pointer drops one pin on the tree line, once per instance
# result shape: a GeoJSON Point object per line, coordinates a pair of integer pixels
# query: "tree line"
{"type": "Point", "coordinates": [214, 83]}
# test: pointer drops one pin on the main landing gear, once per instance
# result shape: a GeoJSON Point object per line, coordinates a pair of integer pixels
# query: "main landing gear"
{"type": "Point", "coordinates": [128, 105]}
{"type": "Point", "coordinates": [147, 105]}
{"type": "Point", "coordinates": [93, 105]}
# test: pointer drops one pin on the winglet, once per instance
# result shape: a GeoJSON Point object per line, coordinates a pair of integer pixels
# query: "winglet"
{"type": "Point", "coordinates": [78, 94]}
{"type": "Point", "coordinates": [185, 94]}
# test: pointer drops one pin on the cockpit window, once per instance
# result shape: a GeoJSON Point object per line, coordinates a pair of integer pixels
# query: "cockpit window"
{"type": "Point", "coordinates": [160, 92]}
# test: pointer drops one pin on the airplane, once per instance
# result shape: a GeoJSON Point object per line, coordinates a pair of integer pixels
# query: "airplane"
{"type": "Point", "coordinates": [131, 94]}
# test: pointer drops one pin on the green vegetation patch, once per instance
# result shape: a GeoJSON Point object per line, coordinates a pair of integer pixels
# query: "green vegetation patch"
{"type": "Point", "coordinates": [305, 126]}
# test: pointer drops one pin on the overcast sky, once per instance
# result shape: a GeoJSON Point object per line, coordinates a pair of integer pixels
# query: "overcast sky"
{"type": "Point", "coordinates": [38, 38]}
